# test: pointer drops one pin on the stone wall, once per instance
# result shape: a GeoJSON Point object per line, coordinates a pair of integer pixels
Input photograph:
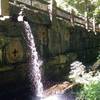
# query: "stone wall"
{"type": "Point", "coordinates": [58, 43]}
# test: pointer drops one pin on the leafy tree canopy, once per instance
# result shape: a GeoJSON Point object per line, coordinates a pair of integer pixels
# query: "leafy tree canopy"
{"type": "Point", "coordinates": [92, 7]}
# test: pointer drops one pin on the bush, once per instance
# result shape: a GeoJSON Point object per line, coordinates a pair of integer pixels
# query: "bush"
{"type": "Point", "coordinates": [90, 82]}
{"type": "Point", "coordinates": [89, 92]}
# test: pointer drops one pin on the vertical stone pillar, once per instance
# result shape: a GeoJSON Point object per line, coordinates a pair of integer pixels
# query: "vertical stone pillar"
{"type": "Point", "coordinates": [52, 15]}
{"type": "Point", "coordinates": [52, 9]}
{"type": "Point", "coordinates": [94, 27]}
{"type": "Point", "coordinates": [4, 7]}
{"type": "Point", "coordinates": [86, 21]}
{"type": "Point", "coordinates": [72, 17]}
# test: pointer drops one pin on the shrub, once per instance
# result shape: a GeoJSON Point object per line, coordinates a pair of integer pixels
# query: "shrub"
{"type": "Point", "coordinates": [90, 82]}
{"type": "Point", "coordinates": [89, 92]}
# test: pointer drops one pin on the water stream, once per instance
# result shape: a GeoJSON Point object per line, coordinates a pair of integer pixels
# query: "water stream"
{"type": "Point", "coordinates": [35, 64]}
{"type": "Point", "coordinates": [34, 61]}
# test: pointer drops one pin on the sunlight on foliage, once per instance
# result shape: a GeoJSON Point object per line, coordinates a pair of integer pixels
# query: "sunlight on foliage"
{"type": "Point", "coordinates": [90, 82]}
{"type": "Point", "coordinates": [78, 74]}
{"type": "Point", "coordinates": [65, 6]}
{"type": "Point", "coordinates": [89, 92]}
{"type": "Point", "coordinates": [92, 7]}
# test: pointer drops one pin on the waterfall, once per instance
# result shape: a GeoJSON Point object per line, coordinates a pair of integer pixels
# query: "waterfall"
{"type": "Point", "coordinates": [34, 61]}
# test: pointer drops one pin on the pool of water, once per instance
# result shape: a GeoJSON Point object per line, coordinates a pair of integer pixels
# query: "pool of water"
{"type": "Point", "coordinates": [22, 92]}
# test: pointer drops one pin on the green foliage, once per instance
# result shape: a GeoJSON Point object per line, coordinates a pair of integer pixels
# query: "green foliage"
{"type": "Point", "coordinates": [91, 7]}
{"type": "Point", "coordinates": [90, 91]}
{"type": "Point", "coordinates": [90, 82]}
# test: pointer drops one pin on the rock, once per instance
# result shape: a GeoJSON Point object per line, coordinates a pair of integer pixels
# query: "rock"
{"type": "Point", "coordinates": [96, 65]}
{"type": "Point", "coordinates": [58, 88]}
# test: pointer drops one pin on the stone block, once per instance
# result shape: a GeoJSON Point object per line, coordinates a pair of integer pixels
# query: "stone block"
{"type": "Point", "coordinates": [4, 7]}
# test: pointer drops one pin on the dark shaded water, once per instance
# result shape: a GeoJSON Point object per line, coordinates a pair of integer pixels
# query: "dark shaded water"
{"type": "Point", "coordinates": [23, 92]}
{"type": "Point", "coordinates": [15, 91]}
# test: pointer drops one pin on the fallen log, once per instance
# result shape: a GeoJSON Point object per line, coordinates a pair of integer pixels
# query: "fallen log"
{"type": "Point", "coordinates": [58, 88]}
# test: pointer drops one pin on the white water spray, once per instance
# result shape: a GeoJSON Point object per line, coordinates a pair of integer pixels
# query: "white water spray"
{"type": "Point", "coordinates": [35, 63]}
{"type": "Point", "coordinates": [34, 60]}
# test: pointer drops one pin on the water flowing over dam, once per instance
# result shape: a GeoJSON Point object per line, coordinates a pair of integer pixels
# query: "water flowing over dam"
{"type": "Point", "coordinates": [47, 52]}
{"type": "Point", "coordinates": [34, 61]}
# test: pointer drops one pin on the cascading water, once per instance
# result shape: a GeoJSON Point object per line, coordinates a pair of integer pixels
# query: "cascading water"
{"type": "Point", "coordinates": [35, 63]}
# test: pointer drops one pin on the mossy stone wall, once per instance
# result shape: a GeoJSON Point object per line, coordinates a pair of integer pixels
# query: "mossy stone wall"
{"type": "Point", "coordinates": [57, 42]}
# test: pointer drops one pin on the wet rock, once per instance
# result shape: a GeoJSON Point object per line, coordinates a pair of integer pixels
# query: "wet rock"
{"type": "Point", "coordinates": [58, 88]}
